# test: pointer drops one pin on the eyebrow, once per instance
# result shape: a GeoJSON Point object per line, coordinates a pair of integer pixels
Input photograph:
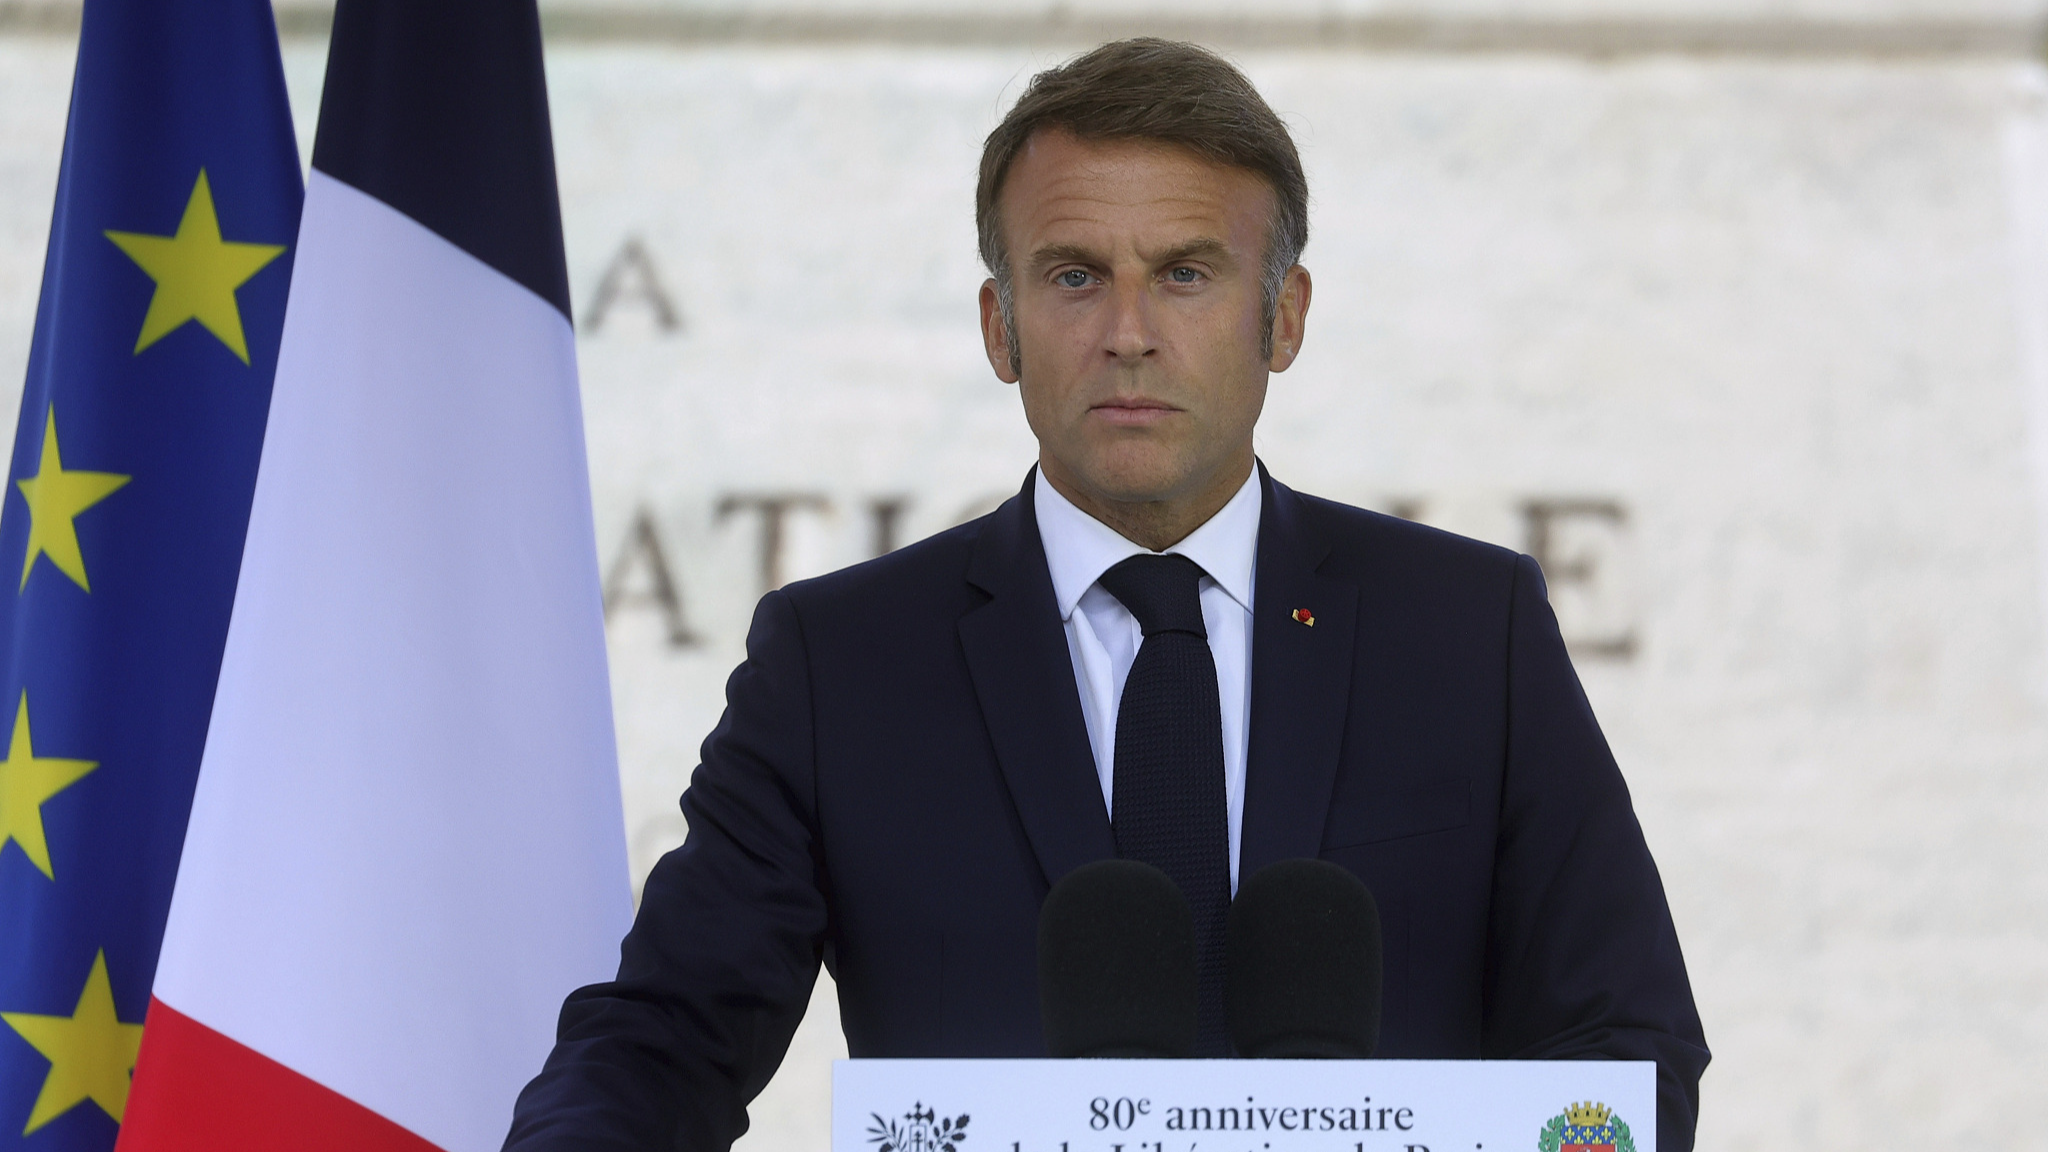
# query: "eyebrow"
{"type": "Point", "coordinates": [1202, 246]}
{"type": "Point", "coordinates": [1052, 254]}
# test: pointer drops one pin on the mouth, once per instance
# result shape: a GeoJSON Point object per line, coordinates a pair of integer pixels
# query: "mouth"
{"type": "Point", "coordinates": [1132, 412]}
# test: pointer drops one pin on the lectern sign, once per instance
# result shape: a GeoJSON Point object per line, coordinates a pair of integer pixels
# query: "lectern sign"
{"type": "Point", "coordinates": [1243, 1106]}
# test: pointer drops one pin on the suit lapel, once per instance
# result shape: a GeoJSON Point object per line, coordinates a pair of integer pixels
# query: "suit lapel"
{"type": "Point", "coordinates": [1024, 679]}
{"type": "Point", "coordinates": [1301, 685]}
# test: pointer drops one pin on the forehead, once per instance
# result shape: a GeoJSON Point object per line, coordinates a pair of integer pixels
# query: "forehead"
{"type": "Point", "coordinates": [1063, 187]}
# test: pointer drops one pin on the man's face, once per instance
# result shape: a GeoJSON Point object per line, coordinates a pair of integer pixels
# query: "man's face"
{"type": "Point", "coordinates": [1138, 316]}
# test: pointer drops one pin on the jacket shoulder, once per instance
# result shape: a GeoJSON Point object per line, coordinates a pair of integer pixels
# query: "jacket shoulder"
{"type": "Point", "coordinates": [1365, 544]}
{"type": "Point", "coordinates": [928, 573]}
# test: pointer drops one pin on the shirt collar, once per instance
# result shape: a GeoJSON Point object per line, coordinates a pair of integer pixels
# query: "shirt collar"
{"type": "Point", "coordinates": [1079, 548]}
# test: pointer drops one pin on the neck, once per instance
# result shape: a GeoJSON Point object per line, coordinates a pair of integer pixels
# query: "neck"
{"type": "Point", "coordinates": [1153, 524]}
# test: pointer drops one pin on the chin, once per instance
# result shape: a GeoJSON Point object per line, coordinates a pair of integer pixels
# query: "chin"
{"type": "Point", "coordinates": [1128, 483]}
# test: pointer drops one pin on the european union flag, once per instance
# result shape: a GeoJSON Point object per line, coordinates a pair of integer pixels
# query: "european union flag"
{"type": "Point", "coordinates": [126, 503]}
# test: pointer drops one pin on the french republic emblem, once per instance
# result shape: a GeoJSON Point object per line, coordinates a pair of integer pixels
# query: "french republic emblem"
{"type": "Point", "coordinates": [920, 1130]}
{"type": "Point", "coordinates": [1586, 1128]}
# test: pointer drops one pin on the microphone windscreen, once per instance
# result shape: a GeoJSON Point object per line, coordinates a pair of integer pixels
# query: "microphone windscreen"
{"type": "Point", "coordinates": [1303, 964]}
{"type": "Point", "coordinates": [1116, 964]}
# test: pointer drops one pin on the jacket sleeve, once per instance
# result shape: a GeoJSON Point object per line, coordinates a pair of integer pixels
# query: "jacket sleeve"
{"type": "Point", "coordinates": [723, 954]}
{"type": "Point", "coordinates": [1583, 960]}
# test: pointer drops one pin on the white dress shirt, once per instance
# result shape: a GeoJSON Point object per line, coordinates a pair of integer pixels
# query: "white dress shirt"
{"type": "Point", "coordinates": [1103, 637]}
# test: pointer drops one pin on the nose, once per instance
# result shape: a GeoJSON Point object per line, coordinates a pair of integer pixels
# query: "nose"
{"type": "Point", "coordinates": [1131, 337]}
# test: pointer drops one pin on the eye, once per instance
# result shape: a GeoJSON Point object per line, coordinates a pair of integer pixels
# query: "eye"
{"type": "Point", "coordinates": [1073, 278]}
{"type": "Point", "coordinates": [1184, 275]}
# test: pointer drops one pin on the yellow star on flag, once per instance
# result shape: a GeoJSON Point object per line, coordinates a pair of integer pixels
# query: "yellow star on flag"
{"type": "Point", "coordinates": [55, 498]}
{"type": "Point", "coordinates": [26, 780]}
{"type": "Point", "coordinates": [91, 1052]}
{"type": "Point", "coordinates": [196, 273]}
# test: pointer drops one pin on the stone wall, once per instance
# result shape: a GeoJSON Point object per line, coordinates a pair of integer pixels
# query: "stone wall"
{"type": "Point", "coordinates": [1744, 340]}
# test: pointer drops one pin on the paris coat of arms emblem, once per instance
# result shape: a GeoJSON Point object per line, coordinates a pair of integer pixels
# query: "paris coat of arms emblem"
{"type": "Point", "coordinates": [1586, 1128]}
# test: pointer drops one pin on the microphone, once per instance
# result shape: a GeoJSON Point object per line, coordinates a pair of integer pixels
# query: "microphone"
{"type": "Point", "coordinates": [1116, 964]}
{"type": "Point", "coordinates": [1303, 964]}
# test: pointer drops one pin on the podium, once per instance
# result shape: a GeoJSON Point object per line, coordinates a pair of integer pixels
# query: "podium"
{"type": "Point", "coordinates": [1244, 1106]}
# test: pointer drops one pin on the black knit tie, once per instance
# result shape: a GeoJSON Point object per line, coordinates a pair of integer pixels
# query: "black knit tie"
{"type": "Point", "coordinates": [1167, 803]}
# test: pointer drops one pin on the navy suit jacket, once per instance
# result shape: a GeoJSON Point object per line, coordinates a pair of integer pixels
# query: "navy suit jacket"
{"type": "Point", "coordinates": [902, 772]}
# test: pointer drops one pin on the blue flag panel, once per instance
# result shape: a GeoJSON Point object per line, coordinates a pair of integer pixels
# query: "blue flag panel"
{"type": "Point", "coordinates": [126, 503]}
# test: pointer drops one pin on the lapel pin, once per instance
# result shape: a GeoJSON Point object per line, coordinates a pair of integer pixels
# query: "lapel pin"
{"type": "Point", "coordinates": [1304, 616]}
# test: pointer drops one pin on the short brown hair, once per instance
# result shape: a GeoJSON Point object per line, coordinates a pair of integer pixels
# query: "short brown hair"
{"type": "Point", "coordinates": [1160, 90]}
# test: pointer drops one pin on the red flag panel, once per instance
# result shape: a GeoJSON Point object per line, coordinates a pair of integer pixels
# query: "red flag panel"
{"type": "Point", "coordinates": [198, 1091]}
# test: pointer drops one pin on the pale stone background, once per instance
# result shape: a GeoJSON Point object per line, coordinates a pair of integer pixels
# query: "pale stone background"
{"type": "Point", "coordinates": [1754, 292]}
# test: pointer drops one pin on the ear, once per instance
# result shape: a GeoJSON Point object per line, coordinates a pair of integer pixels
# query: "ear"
{"type": "Point", "coordinates": [995, 335]}
{"type": "Point", "coordinates": [1290, 318]}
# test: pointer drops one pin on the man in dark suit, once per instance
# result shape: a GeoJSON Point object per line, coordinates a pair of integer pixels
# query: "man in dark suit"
{"type": "Point", "coordinates": [1155, 651]}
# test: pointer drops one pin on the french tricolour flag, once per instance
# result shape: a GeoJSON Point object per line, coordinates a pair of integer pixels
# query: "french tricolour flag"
{"type": "Point", "coordinates": [406, 846]}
